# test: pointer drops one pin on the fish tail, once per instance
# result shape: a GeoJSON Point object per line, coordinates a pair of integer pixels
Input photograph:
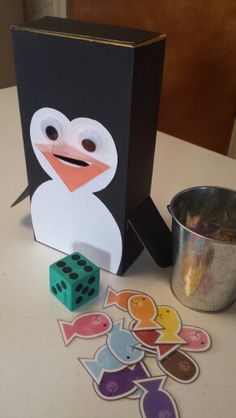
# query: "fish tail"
{"type": "Point", "coordinates": [67, 330]}
{"type": "Point", "coordinates": [167, 337]}
{"type": "Point", "coordinates": [146, 324]}
{"type": "Point", "coordinates": [94, 368]}
{"type": "Point", "coordinates": [111, 297]}
{"type": "Point", "coordinates": [151, 384]}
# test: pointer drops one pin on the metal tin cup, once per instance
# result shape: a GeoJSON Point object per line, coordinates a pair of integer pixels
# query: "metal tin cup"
{"type": "Point", "coordinates": [204, 247]}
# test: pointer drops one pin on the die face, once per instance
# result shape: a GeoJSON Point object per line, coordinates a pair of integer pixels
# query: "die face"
{"type": "Point", "coordinates": [60, 288]}
{"type": "Point", "coordinates": [74, 280]}
{"type": "Point", "coordinates": [85, 289]}
{"type": "Point", "coordinates": [75, 263]}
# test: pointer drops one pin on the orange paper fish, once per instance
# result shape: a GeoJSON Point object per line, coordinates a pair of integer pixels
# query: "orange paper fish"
{"type": "Point", "coordinates": [143, 309]}
{"type": "Point", "coordinates": [118, 299]}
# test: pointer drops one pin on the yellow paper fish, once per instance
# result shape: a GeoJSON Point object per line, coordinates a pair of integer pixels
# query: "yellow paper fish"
{"type": "Point", "coordinates": [169, 319]}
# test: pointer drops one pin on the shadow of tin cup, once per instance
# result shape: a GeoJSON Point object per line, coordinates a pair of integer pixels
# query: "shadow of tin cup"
{"type": "Point", "coordinates": [204, 247]}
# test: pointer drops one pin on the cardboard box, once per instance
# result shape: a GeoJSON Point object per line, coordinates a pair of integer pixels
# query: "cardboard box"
{"type": "Point", "coordinates": [89, 97]}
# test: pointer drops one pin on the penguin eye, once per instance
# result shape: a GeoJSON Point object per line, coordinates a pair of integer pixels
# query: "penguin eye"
{"type": "Point", "coordinates": [89, 145]}
{"type": "Point", "coordinates": [51, 132]}
{"type": "Point", "coordinates": [51, 128]}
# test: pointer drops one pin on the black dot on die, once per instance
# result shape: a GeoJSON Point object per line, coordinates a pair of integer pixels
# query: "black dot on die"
{"type": "Point", "coordinates": [75, 257]}
{"type": "Point", "coordinates": [91, 280]}
{"type": "Point", "coordinates": [67, 270]}
{"type": "Point", "coordinates": [81, 262]}
{"type": "Point", "coordinates": [85, 289]}
{"type": "Point", "coordinates": [79, 300]}
{"type": "Point", "coordinates": [73, 276]}
{"type": "Point", "coordinates": [91, 292]}
{"type": "Point", "coordinates": [79, 287]}
{"type": "Point", "coordinates": [88, 268]}
{"type": "Point", "coordinates": [59, 287]}
{"type": "Point", "coordinates": [54, 290]}
{"type": "Point", "coordinates": [63, 284]}
{"type": "Point", "coordinates": [61, 264]}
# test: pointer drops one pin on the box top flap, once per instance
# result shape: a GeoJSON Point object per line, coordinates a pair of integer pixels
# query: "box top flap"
{"type": "Point", "coordinates": [89, 31]}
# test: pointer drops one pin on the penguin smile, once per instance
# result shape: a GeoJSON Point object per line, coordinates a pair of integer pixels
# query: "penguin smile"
{"type": "Point", "coordinates": [73, 167]}
{"type": "Point", "coordinates": [72, 161]}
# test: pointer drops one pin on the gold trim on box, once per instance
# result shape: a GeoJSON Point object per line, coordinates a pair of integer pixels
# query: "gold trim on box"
{"type": "Point", "coordinates": [93, 39]}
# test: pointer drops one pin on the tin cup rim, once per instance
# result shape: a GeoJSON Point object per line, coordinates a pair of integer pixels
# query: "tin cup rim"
{"type": "Point", "coordinates": [170, 209]}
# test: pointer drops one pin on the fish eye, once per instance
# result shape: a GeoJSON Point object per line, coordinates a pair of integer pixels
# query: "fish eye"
{"type": "Point", "coordinates": [104, 325]}
{"type": "Point", "coordinates": [51, 132]}
{"type": "Point", "coordinates": [167, 310]}
{"type": "Point", "coordinates": [89, 145]}
{"type": "Point", "coordinates": [128, 357]}
{"type": "Point", "coordinates": [202, 342]}
{"type": "Point", "coordinates": [144, 298]}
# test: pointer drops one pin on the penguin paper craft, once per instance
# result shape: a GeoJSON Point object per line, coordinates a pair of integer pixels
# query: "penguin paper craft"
{"type": "Point", "coordinates": [89, 98]}
{"type": "Point", "coordinates": [78, 167]}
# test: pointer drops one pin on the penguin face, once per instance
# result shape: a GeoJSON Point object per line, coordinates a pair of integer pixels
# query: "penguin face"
{"type": "Point", "coordinates": [80, 153]}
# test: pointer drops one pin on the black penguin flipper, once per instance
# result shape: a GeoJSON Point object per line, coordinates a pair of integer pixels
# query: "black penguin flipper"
{"type": "Point", "coordinates": [153, 232]}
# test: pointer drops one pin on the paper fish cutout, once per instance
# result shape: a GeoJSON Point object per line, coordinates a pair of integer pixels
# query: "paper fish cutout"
{"type": "Point", "coordinates": [197, 339]}
{"type": "Point", "coordinates": [180, 366]}
{"type": "Point", "coordinates": [148, 339]}
{"type": "Point", "coordinates": [116, 385]}
{"type": "Point", "coordinates": [104, 361]}
{"type": "Point", "coordinates": [170, 321]}
{"type": "Point", "coordinates": [142, 309]}
{"type": "Point", "coordinates": [118, 299]}
{"type": "Point", "coordinates": [123, 344]}
{"type": "Point", "coordinates": [88, 325]}
{"type": "Point", "coordinates": [192, 221]}
{"type": "Point", "coordinates": [155, 401]}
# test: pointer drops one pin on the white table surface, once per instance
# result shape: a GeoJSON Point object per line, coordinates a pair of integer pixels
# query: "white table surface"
{"type": "Point", "coordinates": [39, 376]}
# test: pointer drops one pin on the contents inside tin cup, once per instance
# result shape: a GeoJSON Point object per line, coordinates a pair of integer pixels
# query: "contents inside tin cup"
{"type": "Point", "coordinates": [207, 211]}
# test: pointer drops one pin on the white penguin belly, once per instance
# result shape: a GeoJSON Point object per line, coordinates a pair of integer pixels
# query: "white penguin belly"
{"type": "Point", "coordinates": [76, 222]}
{"type": "Point", "coordinates": [96, 232]}
{"type": "Point", "coordinates": [51, 216]}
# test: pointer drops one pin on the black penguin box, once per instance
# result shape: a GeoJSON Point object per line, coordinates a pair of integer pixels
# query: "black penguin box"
{"type": "Point", "coordinates": [89, 98]}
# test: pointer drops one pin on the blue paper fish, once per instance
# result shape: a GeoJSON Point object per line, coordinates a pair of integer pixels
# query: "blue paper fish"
{"type": "Point", "coordinates": [104, 361]}
{"type": "Point", "coordinates": [123, 344]}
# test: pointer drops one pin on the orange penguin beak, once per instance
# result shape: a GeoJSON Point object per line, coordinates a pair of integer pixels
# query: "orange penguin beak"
{"type": "Point", "coordinates": [73, 167]}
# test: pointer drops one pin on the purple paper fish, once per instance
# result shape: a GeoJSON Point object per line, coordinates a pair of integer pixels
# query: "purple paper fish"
{"type": "Point", "coordinates": [116, 385]}
{"type": "Point", "coordinates": [155, 401]}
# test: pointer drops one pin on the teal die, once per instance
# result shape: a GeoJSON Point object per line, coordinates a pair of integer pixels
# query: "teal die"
{"type": "Point", "coordinates": [74, 280]}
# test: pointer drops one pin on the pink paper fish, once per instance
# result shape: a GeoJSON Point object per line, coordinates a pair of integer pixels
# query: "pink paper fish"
{"type": "Point", "coordinates": [197, 339]}
{"type": "Point", "coordinates": [88, 325]}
